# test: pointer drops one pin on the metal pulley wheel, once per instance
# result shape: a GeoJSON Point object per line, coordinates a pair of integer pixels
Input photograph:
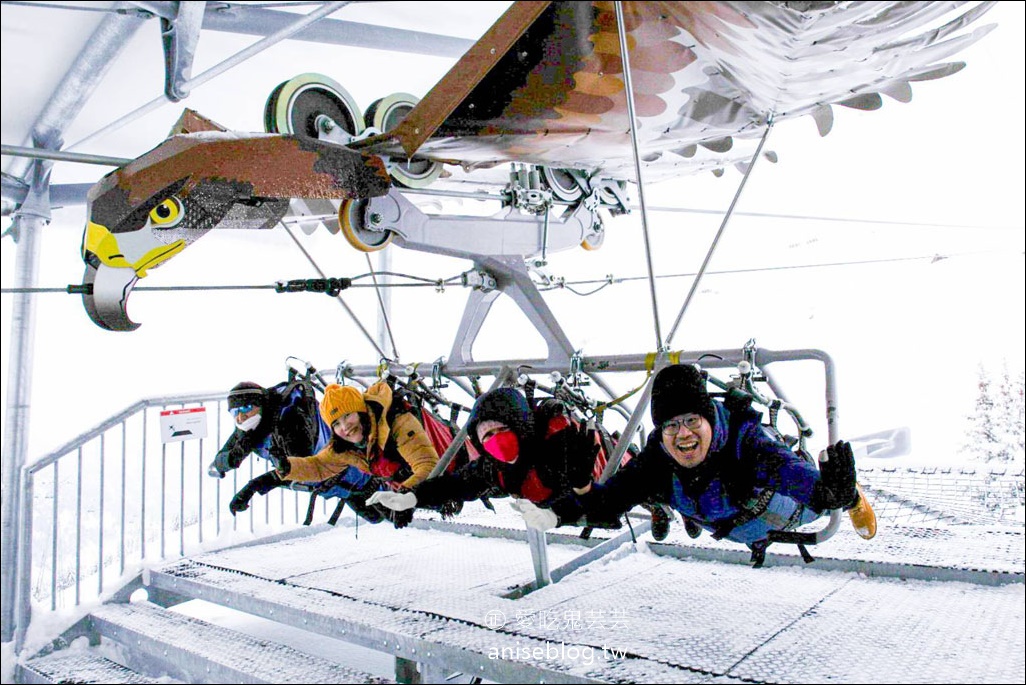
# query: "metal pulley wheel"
{"type": "Point", "coordinates": [303, 105]}
{"type": "Point", "coordinates": [385, 114]}
{"type": "Point", "coordinates": [353, 222]}
{"type": "Point", "coordinates": [562, 184]}
{"type": "Point", "coordinates": [609, 197]}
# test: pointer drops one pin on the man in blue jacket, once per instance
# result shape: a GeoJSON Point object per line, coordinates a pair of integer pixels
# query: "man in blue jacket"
{"type": "Point", "coordinates": [720, 468]}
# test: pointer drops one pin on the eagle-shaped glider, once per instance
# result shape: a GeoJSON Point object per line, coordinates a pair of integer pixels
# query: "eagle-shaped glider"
{"type": "Point", "coordinates": [545, 85]}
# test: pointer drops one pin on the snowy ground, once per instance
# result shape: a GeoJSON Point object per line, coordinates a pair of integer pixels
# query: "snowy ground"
{"type": "Point", "coordinates": [642, 617]}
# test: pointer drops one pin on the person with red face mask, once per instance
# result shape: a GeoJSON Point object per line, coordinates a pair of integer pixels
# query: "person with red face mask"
{"type": "Point", "coordinates": [540, 456]}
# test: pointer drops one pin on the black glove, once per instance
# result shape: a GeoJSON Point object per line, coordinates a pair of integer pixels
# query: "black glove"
{"type": "Point", "coordinates": [401, 519]}
{"type": "Point", "coordinates": [281, 465]}
{"type": "Point", "coordinates": [221, 464]}
{"type": "Point", "coordinates": [836, 487]}
{"type": "Point", "coordinates": [261, 485]}
{"type": "Point", "coordinates": [581, 450]}
{"type": "Point", "coordinates": [241, 500]}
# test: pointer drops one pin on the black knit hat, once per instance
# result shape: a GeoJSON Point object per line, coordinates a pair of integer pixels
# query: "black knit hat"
{"type": "Point", "coordinates": [680, 389]}
{"type": "Point", "coordinates": [247, 393]}
{"type": "Point", "coordinates": [507, 405]}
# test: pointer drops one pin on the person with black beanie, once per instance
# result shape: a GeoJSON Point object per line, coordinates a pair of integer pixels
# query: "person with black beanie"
{"type": "Point", "coordinates": [539, 455]}
{"type": "Point", "coordinates": [720, 468]}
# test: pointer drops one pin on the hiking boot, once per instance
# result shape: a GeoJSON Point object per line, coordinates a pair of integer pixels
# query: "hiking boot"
{"type": "Point", "coordinates": [862, 516]}
{"type": "Point", "coordinates": [693, 529]}
{"type": "Point", "coordinates": [660, 523]}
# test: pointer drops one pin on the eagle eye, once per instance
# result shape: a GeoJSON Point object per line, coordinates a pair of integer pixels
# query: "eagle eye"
{"type": "Point", "coordinates": [167, 213]}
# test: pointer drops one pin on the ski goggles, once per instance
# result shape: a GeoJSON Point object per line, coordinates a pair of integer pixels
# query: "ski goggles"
{"type": "Point", "coordinates": [244, 409]}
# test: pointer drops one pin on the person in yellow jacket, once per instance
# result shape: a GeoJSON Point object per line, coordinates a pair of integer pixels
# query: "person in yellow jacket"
{"type": "Point", "coordinates": [370, 434]}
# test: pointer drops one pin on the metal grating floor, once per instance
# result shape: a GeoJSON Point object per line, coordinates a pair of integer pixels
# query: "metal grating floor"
{"type": "Point", "coordinates": [657, 619]}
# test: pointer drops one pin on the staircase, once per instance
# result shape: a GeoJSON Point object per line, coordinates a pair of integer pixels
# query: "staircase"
{"type": "Point", "coordinates": [152, 644]}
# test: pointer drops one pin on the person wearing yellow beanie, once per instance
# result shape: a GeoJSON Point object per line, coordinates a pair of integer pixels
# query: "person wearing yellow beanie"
{"type": "Point", "coordinates": [368, 432]}
{"type": "Point", "coordinates": [340, 401]}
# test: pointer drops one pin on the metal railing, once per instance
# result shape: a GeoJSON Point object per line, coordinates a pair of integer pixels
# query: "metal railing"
{"type": "Point", "coordinates": [116, 498]}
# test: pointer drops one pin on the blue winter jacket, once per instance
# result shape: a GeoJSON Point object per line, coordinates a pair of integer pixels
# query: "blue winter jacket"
{"type": "Point", "coordinates": [746, 469]}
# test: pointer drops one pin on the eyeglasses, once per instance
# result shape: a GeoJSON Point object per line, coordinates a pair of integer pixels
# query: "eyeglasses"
{"type": "Point", "coordinates": [690, 421]}
{"type": "Point", "coordinates": [244, 409]}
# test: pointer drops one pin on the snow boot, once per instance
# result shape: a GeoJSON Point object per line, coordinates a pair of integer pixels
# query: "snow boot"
{"type": "Point", "coordinates": [660, 523]}
{"type": "Point", "coordinates": [862, 516]}
{"type": "Point", "coordinates": [693, 529]}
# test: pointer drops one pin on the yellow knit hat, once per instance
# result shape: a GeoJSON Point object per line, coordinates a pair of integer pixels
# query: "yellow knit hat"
{"type": "Point", "coordinates": [340, 400]}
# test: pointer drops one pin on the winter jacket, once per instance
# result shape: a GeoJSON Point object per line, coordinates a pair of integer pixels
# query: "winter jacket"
{"type": "Point", "coordinates": [746, 470]}
{"type": "Point", "coordinates": [553, 455]}
{"type": "Point", "coordinates": [397, 448]}
{"type": "Point", "coordinates": [288, 425]}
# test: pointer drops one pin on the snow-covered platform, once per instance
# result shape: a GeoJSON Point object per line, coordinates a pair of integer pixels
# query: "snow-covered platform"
{"type": "Point", "coordinates": [442, 599]}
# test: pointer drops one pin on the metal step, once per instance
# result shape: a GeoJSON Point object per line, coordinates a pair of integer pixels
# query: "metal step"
{"type": "Point", "coordinates": [161, 641]}
{"type": "Point", "coordinates": [433, 640]}
{"type": "Point", "coordinates": [77, 666]}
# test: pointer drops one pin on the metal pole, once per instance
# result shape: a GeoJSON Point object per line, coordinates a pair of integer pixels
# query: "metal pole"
{"type": "Point", "coordinates": [217, 484]}
{"type": "Point", "coordinates": [53, 543]}
{"type": "Point", "coordinates": [461, 436]}
{"type": "Point", "coordinates": [163, 494]}
{"type": "Point", "coordinates": [201, 474]}
{"type": "Point", "coordinates": [61, 156]}
{"type": "Point", "coordinates": [719, 233]}
{"type": "Point", "coordinates": [142, 494]}
{"type": "Point", "coordinates": [23, 610]}
{"type": "Point", "coordinates": [16, 431]}
{"type": "Point", "coordinates": [632, 425]}
{"type": "Point", "coordinates": [629, 88]}
{"type": "Point", "coordinates": [124, 473]}
{"type": "Point", "coordinates": [78, 529]}
{"type": "Point", "coordinates": [181, 501]}
{"type": "Point", "coordinates": [219, 69]}
{"type": "Point", "coordinates": [384, 301]}
{"type": "Point", "coordinates": [88, 68]}
{"type": "Point", "coordinates": [99, 561]}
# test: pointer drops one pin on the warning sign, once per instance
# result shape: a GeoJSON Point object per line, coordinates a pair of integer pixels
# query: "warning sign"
{"type": "Point", "coordinates": [183, 424]}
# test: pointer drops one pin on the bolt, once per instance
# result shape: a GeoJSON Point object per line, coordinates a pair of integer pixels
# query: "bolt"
{"type": "Point", "coordinates": [376, 218]}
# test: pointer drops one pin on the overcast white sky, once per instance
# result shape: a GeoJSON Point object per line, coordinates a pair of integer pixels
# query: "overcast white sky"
{"type": "Point", "coordinates": [907, 335]}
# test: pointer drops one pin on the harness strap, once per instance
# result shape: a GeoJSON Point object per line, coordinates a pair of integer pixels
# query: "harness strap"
{"type": "Point", "coordinates": [799, 539]}
{"type": "Point", "coordinates": [310, 509]}
{"type": "Point", "coordinates": [529, 393]}
{"type": "Point", "coordinates": [333, 519]}
{"type": "Point", "coordinates": [758, 553]}
{"type": "Point", "coordinates": [749, 512]}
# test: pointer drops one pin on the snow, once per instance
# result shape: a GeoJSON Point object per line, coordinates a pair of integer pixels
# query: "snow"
{"type": "Point", "coordinates": [797, 624]}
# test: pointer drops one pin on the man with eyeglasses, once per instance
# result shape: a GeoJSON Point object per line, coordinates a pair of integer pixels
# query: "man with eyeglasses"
{"type": "Point", "coordinates": [720, 468]}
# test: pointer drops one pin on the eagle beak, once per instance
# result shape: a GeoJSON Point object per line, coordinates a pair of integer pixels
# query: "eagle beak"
{"type": "Point", "coordinates": [110, 277]}
{"type": "Point", "coordinates": [105, 296]}
{"type": "Point", "coordinates": [104, 244]}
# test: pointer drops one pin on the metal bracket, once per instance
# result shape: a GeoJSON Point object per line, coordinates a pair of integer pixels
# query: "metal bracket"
{"type": "Point", "coordinates": [498, 246]}
{"type": "Point", "coordinates": [329, 130]}
{"type": "Point", "coordinates": [180, 36]}
{"type": "Point", "coordinates": [525, 191]}
{"type": "Point", "coordinates": [478, 280]}
{"type": "Point", "coordinates": [436, 374]}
